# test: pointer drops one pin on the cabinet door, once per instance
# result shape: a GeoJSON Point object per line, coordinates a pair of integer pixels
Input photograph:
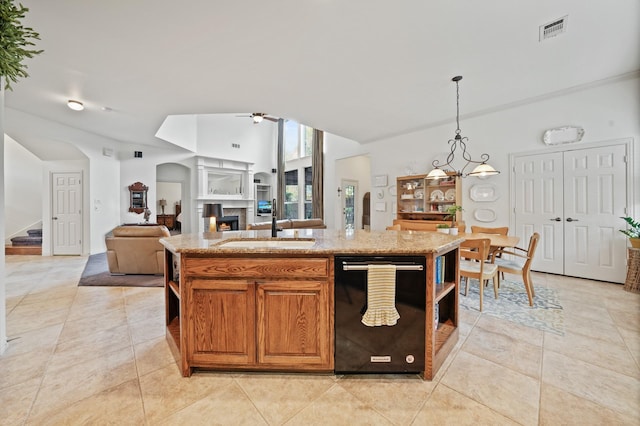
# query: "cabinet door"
{"type": "Point", "coordinates": [222, 322]}
{"type": "Point", "coordinates": [294, 326]}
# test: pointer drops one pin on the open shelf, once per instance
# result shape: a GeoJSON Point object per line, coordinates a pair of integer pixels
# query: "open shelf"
{"type": "Point", "coordinates": [175, 288]}
{"type": "Point", "coordinates": [443, 289]}
{"type": "Point", "coordinates": [174, 330]}
{"type": "Point", "coordinates": [444, 331]}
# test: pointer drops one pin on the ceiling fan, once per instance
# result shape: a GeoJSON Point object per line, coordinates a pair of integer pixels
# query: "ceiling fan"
{"type": "Point", "coordinates": [259, 116]}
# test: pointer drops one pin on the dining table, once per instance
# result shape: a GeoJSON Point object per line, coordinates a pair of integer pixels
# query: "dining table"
{"type": "Point", "coordinates": [497, 240]}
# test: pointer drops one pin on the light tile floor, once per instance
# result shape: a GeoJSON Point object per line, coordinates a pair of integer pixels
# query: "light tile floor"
{"type": "Point", "coordinates": [97, 355]}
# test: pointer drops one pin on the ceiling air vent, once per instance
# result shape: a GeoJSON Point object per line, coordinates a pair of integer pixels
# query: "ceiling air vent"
{"type": "Point", "coordinates": [553, 28]}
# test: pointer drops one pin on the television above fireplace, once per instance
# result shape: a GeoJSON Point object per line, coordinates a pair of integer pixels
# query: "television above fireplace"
{"type": "Point", "coordinates": [264, 206]}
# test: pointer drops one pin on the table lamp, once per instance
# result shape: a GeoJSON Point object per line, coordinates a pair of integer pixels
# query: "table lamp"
{"type": "Point", "coordinates": [163, 203]}
{"type": "Point", "coordinates": [210, 212]}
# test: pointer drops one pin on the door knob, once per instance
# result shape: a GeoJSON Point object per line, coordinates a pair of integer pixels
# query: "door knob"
{"type": "Point", "coordinates": [571, 220]}
{"type": "Point", "coordinates": [557, 219]}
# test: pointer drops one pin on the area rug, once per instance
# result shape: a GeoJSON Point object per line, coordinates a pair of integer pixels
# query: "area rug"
{"type": "Point", "coordinates": [512, 304]}
{"type": "Point", "coordinates": [96, 273]}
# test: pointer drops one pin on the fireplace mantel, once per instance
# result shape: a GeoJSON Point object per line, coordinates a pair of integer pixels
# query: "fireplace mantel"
{"type": "Point", "coordinates": [225, 182]}
{"type": "Point", "coordinates": [220, 179]}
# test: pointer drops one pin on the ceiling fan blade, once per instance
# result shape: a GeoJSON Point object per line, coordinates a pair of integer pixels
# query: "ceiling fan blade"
{"type": "Point", "coordinates": [275, 120]}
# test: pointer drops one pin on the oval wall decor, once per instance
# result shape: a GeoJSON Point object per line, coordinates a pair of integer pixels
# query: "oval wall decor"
{"type": "Point", "coordinates": [484, 215]}
{"type": "Point", "coordinates": [483, 192]}
{"type": "Point", "coordinates": [560, 135]}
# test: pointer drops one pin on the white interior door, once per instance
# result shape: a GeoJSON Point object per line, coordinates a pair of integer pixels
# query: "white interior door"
{"type": "Point", "coordinates": [574, 199]}
{"type": "Point", "coordinates": [595, 199]}
{"type": "Point", "coordinates": [66, 220]}
{"type": "Point", "coordinates": [539, 207]}
{"type": "Point", "coordinates": [349, 206]}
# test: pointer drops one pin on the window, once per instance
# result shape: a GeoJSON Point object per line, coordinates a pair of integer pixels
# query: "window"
{"type": "Point", "coordinates": [291, 194]}
{"type": "Point", "coordinates": [297, 141]}
{"type": "Point", "coordinates": [308, 193]}
{"type": "Point", "coordinates": [298, 151]}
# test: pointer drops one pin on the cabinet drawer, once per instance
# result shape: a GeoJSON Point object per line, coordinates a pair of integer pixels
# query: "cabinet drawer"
{"type": "Point", "coordinates": [272, 267]}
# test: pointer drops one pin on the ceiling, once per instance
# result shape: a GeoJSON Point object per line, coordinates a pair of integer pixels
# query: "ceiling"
{"type": "Point", "coordinates": [361, 69]}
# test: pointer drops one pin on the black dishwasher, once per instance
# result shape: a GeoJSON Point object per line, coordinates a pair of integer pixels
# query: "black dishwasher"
{"type": "Point", "coordinates": [382, 349]}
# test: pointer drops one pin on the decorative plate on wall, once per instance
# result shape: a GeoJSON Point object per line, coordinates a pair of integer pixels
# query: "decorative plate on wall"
{"type": "Point", "coordinates": [560, 135]}
{"type": "Point", "coordinates": [483, 192]}
{"type": "Point", "coordinates": [484, 215]}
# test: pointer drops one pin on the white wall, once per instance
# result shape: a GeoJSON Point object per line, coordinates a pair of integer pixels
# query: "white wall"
{"type": "Point", "coordinates": [23, 190]}
{"type": "Point", "coordinates": [134, 170]}
{"type": "Point", "coordinates": [358, 169]}
{"type": "Point", "coordinates": [607, 111]}
{"type": "Point", "coordinates": [181, 130]}
{"type": "Point", "coordinates": [171, 192]}
{"type": "Point", "coordinates": [336, 148]}
{"type": "Point", "coordinates": [217, 133]}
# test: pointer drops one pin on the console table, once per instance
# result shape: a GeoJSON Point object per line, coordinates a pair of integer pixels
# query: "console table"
{"type": "Point", "coordinates": [168, 220]}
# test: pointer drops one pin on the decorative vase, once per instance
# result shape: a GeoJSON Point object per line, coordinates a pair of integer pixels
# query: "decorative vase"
{"type": "Point", "coordinates": [443, 230]}
{"type": "Point", "coordinates": [635, 242]}
{"type": "Point", "coordinates": [453, 231]}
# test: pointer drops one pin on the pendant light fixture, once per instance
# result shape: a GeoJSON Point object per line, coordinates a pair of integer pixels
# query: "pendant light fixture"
{"type": "Point", "coordinates": [482, 168]}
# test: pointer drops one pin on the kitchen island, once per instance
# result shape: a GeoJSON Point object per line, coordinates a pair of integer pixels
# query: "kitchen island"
{"type": "Point", "coordinates": [244, 301]}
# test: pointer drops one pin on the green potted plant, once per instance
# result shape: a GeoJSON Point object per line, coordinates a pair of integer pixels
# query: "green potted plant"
{"type": "Point", "coordinates": [15, 42]}
{"type": "Point", "coordinates": [632, 231]}
{"type": "Point", "coordinates": [443, 228]}
{"type": "Point", "coordinates": [452, 210]}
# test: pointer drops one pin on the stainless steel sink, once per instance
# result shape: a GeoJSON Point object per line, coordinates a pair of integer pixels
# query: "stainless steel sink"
{"type": "Point", "coordinates": [268, 244]}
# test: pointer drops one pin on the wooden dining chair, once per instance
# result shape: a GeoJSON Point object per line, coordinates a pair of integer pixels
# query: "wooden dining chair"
{"type": "Point", "coordinates": [474, 264]}
{"type": "Point", "coordinates": [520, 264]}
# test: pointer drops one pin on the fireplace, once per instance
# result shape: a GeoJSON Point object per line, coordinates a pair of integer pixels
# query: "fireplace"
{"type": "Point", "coordinates": [235, 216]}
{"type": "Point", "coordinates": [228, 223]}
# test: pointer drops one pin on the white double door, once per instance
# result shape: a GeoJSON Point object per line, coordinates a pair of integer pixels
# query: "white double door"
{"type": "Point", "coordinates": [574, 200]}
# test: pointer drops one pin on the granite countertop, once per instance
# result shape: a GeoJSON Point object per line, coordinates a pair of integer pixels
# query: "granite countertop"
{"type": "Point", "coordinates": [326, 241]}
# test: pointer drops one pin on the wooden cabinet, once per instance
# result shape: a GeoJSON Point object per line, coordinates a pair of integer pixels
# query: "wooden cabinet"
{"type": "Point", "coordinates": [168, 220]}
{"type": "Point", "coordinates": [423, 199]}
{"type": "Point", "coordinates": [292, 324]}
{"type": "Point", "coordinates": [252, 313]}
{"type": "Point", "coordinates": [224, 332]}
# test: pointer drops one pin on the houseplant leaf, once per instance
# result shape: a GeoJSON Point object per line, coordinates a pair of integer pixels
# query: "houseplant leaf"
{"type": "Point", "coordinates": [15, 42]}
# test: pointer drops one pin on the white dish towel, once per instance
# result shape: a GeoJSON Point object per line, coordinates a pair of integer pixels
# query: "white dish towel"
{"type": "Point", "coordinates": [381, 296]}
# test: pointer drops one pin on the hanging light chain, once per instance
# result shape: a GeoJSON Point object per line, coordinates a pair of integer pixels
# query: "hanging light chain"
{"type": "Point", "coordinates": [462, 141]}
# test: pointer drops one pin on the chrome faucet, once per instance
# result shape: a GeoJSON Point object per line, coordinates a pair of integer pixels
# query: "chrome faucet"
{"type": "Point", "coordinates": [274, 229]}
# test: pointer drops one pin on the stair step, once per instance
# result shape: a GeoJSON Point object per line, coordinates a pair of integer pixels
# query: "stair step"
{"type": "Point", "coordinates": [34, 232]}
{"type": "Point", "coordinates": [24, 240]}
{"type": "Point", "coordinates": [22, 250]}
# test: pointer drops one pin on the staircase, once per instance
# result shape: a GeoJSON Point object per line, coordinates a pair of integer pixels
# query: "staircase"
{"type": "Point", "coordinates": [27, 244]}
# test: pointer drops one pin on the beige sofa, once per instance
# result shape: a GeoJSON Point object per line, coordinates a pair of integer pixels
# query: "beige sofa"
{"type": "Point", "coordinates": [136, 249]}
{"type": "Point", "coordinates": [289, 224]}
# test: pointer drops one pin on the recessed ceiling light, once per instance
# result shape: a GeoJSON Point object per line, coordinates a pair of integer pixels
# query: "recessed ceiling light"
{"type": "Point", "coordinates": [75, 105]}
